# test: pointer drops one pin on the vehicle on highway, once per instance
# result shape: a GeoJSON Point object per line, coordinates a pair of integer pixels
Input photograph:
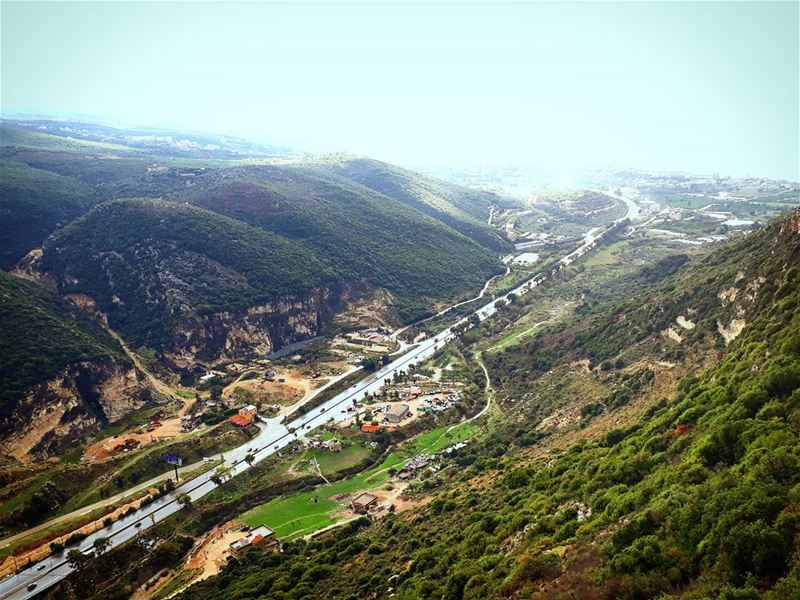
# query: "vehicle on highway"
{"type": "Point", "coordinates": [138, 525]}
{"type": "Point", "coordinates": [31, 586]}
{"type": "Point", "coordinates": [40, 567]}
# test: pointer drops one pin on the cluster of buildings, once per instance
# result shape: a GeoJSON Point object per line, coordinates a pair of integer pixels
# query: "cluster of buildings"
{"type": "Point", "coordinates": [376, 335]}
{"type": "Point", "coordinates": [426, 461]}
{"type": "Point", "coordinates": [376, 340]}
{"type": "Point", "coordinates": [211, 376]}
{"type": "Point", "coordinates": [191, 422]}
{"type": "Point", "coordinates": [437, 404]}
{"type": "Point", "coordinates": [316, 441]}
{"type": "Point", "coordinates": [416, 464]}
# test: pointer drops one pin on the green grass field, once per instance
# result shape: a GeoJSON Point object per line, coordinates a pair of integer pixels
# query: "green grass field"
{"type": "Point", "coordinates": [300, 514]}
{"type": "Point", "coordinates": [332, 462]}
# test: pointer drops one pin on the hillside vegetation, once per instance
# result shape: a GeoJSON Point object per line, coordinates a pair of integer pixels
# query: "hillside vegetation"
{"type": "Point", "coordinates": [361, 234]}
{"type": "Point", "coordinates": [698, 498]}
{"type": "Point", "coordinates": [420, 255]}
{"type": "Point", "coordinates": [152, 264]}
{"type": "Point", "coordinates": [732, 285]}
{"type": "Point", "coordinates": [33, 203]}
{"type": "Point", "coordinates": [465, 210]}
{"type": "Point", "coordinates": [42, 334]}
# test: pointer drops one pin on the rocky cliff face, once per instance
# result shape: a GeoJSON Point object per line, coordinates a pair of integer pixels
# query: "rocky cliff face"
{"type": "Point", "coordinates": [262, 328]}
{"type": "Point", "coordinates": [59, 413]}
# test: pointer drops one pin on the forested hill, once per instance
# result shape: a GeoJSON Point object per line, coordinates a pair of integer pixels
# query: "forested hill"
{"type": "Point", "coordinates": [465, 210]}
{"type": "Point", "coordinates": [42, 334]}
{"type": "Point", "coordinates": [154, 265]}
{"type": "Point", "coordinates": [33, 203]}
{"type": "Point", "coordinates": [151, 264]}
{"type": "Point", "coordinates": [698, 498]}
{"type": "Point", "coordinates": [360, 233]}
{"type": "Point", "coordinates": [353, 231]}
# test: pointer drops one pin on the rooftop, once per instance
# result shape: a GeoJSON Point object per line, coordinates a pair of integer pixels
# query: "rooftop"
{"type": "Point", "coordinates": [365, 498]}
{"type": "Point", "coordinates": [398, 410]}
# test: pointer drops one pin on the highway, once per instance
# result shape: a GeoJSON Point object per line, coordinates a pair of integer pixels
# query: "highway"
{"type": "Point", "coordinates": [273, 437]}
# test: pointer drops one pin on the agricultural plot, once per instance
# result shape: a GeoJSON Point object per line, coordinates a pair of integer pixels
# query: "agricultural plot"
{"type": "Point", "coordinates": [303, 513]}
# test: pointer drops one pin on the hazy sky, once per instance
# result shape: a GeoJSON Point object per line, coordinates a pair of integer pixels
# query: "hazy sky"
{"type": "Point", "coordinates": [675, 85]}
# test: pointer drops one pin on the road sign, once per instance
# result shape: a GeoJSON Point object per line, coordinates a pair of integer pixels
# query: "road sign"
{"type": "Point", "coordinates": [173, 460]}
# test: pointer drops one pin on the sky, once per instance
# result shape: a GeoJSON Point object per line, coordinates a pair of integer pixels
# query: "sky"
{"type": "Point", "coordinates": [695, 86]}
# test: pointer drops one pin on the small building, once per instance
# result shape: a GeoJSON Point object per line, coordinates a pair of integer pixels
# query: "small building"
{"type": "Point", "coordinates": [241, 420]}
{"type": "Point", "coordinates": [364, 502]}
{"type": "Point", "coordinates": [261, 536]}
{"type": "Point", "coordinates": [245, 417]}
{"type": "Point", "coordinates": [397, 413]}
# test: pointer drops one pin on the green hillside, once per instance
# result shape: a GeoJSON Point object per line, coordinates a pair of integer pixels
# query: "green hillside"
{"type": "Point", "coordinates": [359, 233]}
{"type": "Point", "coordinates": [698, 498]}
{"type": "Point", "coordinates": [422, 256]}
{"type": "Point", "coordinates": [33, 202]}
{"type": "Point", "coordinates": [151, 264]}
{"type": "Point", "coordinates": [42, 334]}
{"type": "Point", "coordinates": [746, 271]}
{"type": "Point", "coordinates": [465, 210]}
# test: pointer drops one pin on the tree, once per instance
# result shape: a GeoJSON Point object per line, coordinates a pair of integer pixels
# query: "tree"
{"type": "Point", "coordinates": [223, 473]}
{"type": "Point", "coordinates": [249, 459]}
{"type": "Point", "coordinates": [76, 559]}
{"type": "Point", "coordinates": [184, 500]}
{"type": "Point", "coordinates": [101, 545]}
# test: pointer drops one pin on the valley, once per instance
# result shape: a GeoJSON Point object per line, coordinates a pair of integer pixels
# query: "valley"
{"type": "Point", "coordinates": [331, 346]}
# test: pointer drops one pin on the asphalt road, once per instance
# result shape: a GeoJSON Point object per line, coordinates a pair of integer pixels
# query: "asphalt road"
{"type": "Point", "coordinates": [272, 438]}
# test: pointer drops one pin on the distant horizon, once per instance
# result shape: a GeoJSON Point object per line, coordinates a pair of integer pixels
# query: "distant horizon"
{"type": "Point", "coordinates": [109, 122]}
{"type": "Point", "coordinates": [693, 87]}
